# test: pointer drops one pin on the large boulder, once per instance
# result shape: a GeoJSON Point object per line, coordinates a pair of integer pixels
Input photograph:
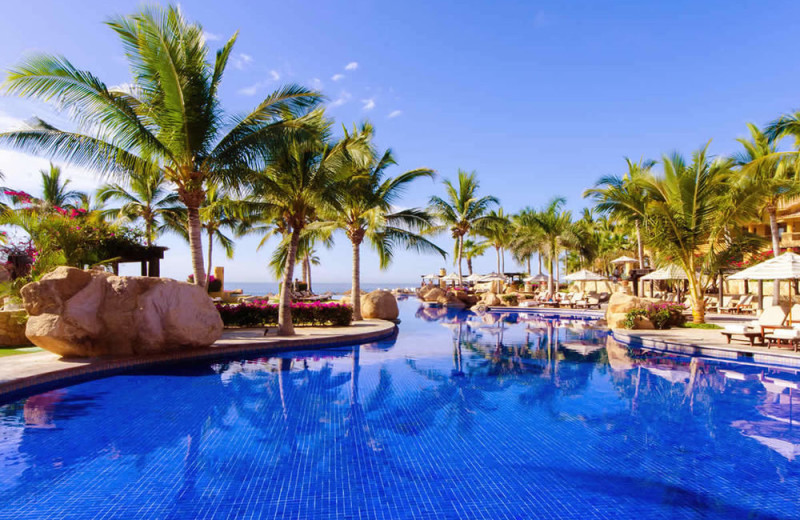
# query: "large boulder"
{"type": "Point", "coordinates": [490, 299]}
{"type": "Point", "coordinates": [380, 305]}
{"type": "Point", "coordinates": [432, 295]}
{"type": "Point", "coordinates": [77, 313]}
{"type": "Point", "coordinates": [621, 304]}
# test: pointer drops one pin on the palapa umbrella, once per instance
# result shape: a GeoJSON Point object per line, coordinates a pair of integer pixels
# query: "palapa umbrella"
{"type": "Point", "coordinates": [624, 260]}
{"type": "Point", "coordinates": [669, 272]}
{"type": "Point", "coordinates": [585, 276]}
{"type": "Point", "coordinates": [539, 278]}
{"type": "Point", "coordinates": [474, 277]}
{"type": "Point", "coordinates": [452, 277]}
{"type": "Point", "coordinates": [783, 267]}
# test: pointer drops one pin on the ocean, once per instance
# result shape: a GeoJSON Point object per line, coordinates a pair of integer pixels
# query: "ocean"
{"type": "Point", "coordinates": [262, 288]}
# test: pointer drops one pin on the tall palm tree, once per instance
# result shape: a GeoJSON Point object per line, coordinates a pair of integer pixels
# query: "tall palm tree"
{"type": "Point", "coordinates": [168, 119]}
{"type": "Point", "coordinates": [462, 211]}
{"type": "Point", "coordinates": [368, 213]}
{"type": "Point", "coordinates": [695, 212]}
{"type": "Point", "coordinates": [302, 178]}
{"type": "Point", "coordinates": [146, 198]}
{"type": "Point", "coordinates": [528, 238]}
{"type": "Point", "coordinates": [473, 250]}
{"type": "Point", "coordinates": [56, 192]}
{"type": "Point", "coordinates": [772, 176]}
{"type": "Point", "coordinates": [624, 199]}
{"type": "Point", "coordinates": [498, 232]}
{"type": "Point", "coordinates": [554, 224]}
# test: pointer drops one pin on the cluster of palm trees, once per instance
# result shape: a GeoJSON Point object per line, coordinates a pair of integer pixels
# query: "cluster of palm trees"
{"type": "Point", "coordinates": [177, 159]}
{"type": "Point", "coordinates": [695, 214]}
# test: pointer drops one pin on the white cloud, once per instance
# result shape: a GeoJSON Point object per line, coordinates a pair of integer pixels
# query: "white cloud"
{"type": "Point", "coordinates": [337, 77]}
{"type": "Point", "coordinates": [249, 91]}
{"type": "Point", "coordinates": [353, 65]}
{"type": "Point", "coordinates": [343, 98]}
{"type": "Point", "coordinates": [274, 75]}
{"type": "Point", "coordinates": [395, 113]}
{"type": "Point", "coordinates": [211, 37]}
{"type": "Point", "coordinates": [369, 104]}
{"type": "Point", "coordinates": [242, 60]}
{"type": "Point", "coordinates": [316, 84]}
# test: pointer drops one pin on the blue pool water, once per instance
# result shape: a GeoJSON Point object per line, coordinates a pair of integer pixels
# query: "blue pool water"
{"type": "Point", "coordinates": [505, 416]}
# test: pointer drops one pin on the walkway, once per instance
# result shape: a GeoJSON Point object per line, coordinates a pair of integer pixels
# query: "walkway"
{"type": "Point", "coordinates": [41, 371]}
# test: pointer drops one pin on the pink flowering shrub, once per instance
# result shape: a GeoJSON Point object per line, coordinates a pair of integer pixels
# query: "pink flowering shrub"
{"type": "Point", "coordinates": [259, 313]}
{"type": "Point", "coordinates": [661, 315]}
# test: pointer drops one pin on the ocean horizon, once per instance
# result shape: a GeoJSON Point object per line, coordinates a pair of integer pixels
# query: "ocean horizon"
{"type": "Point", "coordinates": [262, 288]}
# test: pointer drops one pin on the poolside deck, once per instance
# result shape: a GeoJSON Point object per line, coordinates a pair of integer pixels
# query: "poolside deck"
{"type": "Point", "coordinates": [44, 370]}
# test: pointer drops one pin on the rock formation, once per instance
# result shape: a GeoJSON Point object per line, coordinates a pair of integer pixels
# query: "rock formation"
{"type": "Point", "coordinates": [380, 305]}
{"type": "Point", "coordinates": [77, 313]}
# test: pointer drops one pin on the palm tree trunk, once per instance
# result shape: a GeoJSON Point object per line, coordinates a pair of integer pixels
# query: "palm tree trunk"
{"type": "Point", "coordinates": [148, 230]}
{"type": "Point", "coordinates": [502, 260]}
{"type": "Point", "coordinates": [539, 257]}
{"type": "Point", "coordinates": [210, 246]}
{"type": "Point", "coordinates": [776, 249]}
{"type": "Point", "coordinates": [195, 229]}
{"type": "Point", "coordinates": [285, 327]}
{"type": "Point", "coordinates": [309, 276]}
{"type": "Point", "coordinates": [639, 247]}
{"type": "Point", "coordinates": [497, 252]}
{"type": "Point", "coordinates": [469, 265]}
{"type": "Point", "coordinates": [460, 254]}
{"type": "Point", "coordinates": [356, 290]}
{"type": "Point", "coordinates": [528, 261]}
{"type": "Point", "coordinates": [552, 270]}
{"type": "Point", "coordinates": [698, 302]}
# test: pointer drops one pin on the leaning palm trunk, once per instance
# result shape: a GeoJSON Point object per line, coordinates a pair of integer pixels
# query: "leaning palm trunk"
{"type": "Point", "coordinates": [285, 327]}
{"type": "Point", "coordinates": [196, 244]}
{"type": "Point", "coordinates": [698, 301]}
{"type": "Point", "coordinates": [460, 255]}
{"type": "Point", "coordinates": [469, 266]}
{"type": "Point", "coordinates": [639, 246]}
{"type": "Point", "coordinates": [499, 269]}
{"type": "Point", "coordinates": [356, 290]}
{"type": "Point", "coordinates": [210, 249]}
{"type": "Point", "coordinates": [776, 250]}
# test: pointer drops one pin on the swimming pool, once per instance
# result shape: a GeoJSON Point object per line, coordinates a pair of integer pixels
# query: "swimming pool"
{"type": "Point", "coordinates": [460, 416]}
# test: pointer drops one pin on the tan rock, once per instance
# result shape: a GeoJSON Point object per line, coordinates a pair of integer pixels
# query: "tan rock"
{"type": "Point", "coordinates": [117, 315]}
{"type": "Point", "coordinates": [433, 295]}
{"type": "Point", "coordinates": [380, 305]}
{"type": "Point", "coordinates": [490, 299]}
{"type": "Point", "coordinates": [621, 304]}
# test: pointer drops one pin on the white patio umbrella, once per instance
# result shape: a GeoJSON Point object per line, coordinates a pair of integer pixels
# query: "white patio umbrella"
{"type": "Point", "coordinates": [452, 277]}
{"type": "Point", "coordinates": [624, 260]}
{"type": "Point", "coordinates": [493, 277]}
{"type": "Point", "coordinates": [782, 267]}
{"type": "Point", "coordinates": [585, 275]}
{"type": "Point", "coordinates": [474, 277]}
{"type": "Point", "coordinates": [536, 279]}
{"type": "Point", "coordinates": [669, 272]}
{"type": "Point", "coordinates": [430, 276]}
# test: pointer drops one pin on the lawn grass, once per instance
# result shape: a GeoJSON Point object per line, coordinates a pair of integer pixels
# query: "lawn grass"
{"type": "Point", "coordinates": [690, 325]}
{"type": "Point", "coordinates": [14, 351]}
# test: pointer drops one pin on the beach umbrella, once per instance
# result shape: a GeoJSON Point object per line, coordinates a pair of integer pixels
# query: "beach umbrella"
{"type": "Point", "coordinates": [430, 276]}
{"type": "Point", "coordinates": [624, 260]}
{"type": "Point", "coordinates": [493, 277]}
{"type": "Point", "coordinates": [669, 272]}
{"type": "Point", "coordinates": [452, 277]}
{"type": "Point", "coordinates": [539, 278]}
{"type": "Point", "coordinates": [474, 277]}
{"type": "Point", "coordinates": [782, 267]}
{"type": "Point", "coordinates": [585, 275]}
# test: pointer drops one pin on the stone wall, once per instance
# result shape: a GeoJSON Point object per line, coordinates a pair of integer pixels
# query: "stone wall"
{"type": "Point", "coordinates": [12, 328]}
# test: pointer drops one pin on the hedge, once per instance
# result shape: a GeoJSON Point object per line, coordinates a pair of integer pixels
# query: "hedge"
{"type": "Point", "coordinates": [261, 313]}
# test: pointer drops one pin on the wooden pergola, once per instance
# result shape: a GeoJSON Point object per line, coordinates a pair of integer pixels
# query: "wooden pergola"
{"type": "Point", "coordinates": [148, 256]}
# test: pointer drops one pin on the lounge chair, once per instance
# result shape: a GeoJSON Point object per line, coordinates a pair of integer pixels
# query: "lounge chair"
{"type": "Point", "coordinates": [789, 335]}
{"type": "Point", "coordinates": [745, 304]}
{"type": "Point", "coordinates": [770, 319]}
{"type": "Point", "coordinates": [732, 305]}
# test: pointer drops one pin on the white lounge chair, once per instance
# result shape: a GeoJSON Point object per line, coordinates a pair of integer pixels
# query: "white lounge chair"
{"type": "Point", "coordinates": [771, 318]}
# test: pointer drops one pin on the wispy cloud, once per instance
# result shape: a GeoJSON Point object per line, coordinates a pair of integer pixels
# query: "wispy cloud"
{"type": "Point", "coordinates": [337, 77]}
{"type": "Point", "coordinates": [274, 75]}
{"type": "Point", "coordinates": [343, 98]}
{"type": "Point", "coordinates": [316, 83]}
{"type": "Point", "coordinates": [369, 104]}
{"type": "Point", "coordinates": [211, 37]}
{"type": "Point", "coordinates": [353, 65]}
{"type": "Point", "coordinates": [395, 113]}
{"type": "Point", "coordinates": [242, 60]}
{"type": "Point", "coordinates": [249, 91]}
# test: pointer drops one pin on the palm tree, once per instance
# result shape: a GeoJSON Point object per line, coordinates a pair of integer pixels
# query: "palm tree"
{"type": "Point", "coordinates": [168, 119]}
{"type": "Point", "coordinates": [368, 213]}
{"type": "Point", "coordinates": [695, 213]}
{"type": "Point", "coordinates": [463, 210]}
{"type": "Point", "coordinates": [498, 232]}
{"type": "Point", "coordinates": [624, 199]}
{"type": "Point", "coordinates": [55, 192]}
{"type": "Point", "coordinates": [302, 178]}
{"type": "Point", "coordinates": [554, 224]}
{"type": "Point", "coordinates": [528, 238]}
{"type": "Point", "coordinates": [146, 198]}
{"type": "Point", "coordinates": [772, 176]}
{"type": "Point", "coordinates": [472, 250]}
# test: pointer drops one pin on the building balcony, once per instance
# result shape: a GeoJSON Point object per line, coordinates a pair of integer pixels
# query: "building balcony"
{"type": "Point", "coordinates": [790, 239]}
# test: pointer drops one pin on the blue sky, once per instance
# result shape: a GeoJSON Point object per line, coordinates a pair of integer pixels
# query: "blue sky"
{"type": "Point", "coordinates": [540, 98]}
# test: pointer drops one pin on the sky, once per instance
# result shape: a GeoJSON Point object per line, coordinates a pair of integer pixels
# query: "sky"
{"type": "Point", "coordinates": [539, 98]}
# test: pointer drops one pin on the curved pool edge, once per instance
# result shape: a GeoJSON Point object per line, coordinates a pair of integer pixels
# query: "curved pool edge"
{"type": "Point", "coordinates": [59, 372]}
{"type": "Point", "coordinates": [709, 346]}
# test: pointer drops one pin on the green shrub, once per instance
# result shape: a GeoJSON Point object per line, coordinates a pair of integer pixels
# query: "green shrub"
{"type": "Point", "coordinates": [661, 315]}
{"type": "Point", "coordinates": [509, 299]}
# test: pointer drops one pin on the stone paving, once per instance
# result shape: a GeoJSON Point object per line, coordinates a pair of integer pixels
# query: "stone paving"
{"type": "Point", "coordinates": [45, 368]}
